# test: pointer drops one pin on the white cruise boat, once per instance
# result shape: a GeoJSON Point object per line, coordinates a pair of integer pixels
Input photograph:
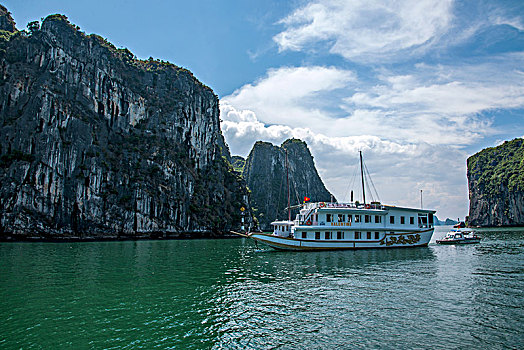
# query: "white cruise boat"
{"type": "Point", "coordinates": [332, 226]}
{"type": "Point", "coordinates": [329, 226]}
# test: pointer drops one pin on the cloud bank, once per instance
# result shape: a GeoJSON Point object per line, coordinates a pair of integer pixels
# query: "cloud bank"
{"type": "Point", "coordinates": [360, 29]}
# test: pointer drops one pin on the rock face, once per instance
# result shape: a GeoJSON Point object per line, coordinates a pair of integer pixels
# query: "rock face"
{"type": "Point", "coordinates": [496, 185]}
{"type": "Point", "coordinates": [95, 142]}
{"type": "Point", "coordinates": [265, 174]}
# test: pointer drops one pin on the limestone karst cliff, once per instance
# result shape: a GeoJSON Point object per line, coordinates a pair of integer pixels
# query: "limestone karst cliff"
{"type": "Point", "coordinates": [94, 142]}
{"type": "Point", "coordinates": [496, 185]}
{"type": "Point", "coordinates": [265, 173]}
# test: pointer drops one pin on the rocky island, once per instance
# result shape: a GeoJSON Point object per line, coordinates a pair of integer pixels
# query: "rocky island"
{"type": "Point", "coordinates": [265, 173]}
{"type": "Point", "coordinates": [97, 143]}
{"type": "Point", "coordinates": [496, 185]}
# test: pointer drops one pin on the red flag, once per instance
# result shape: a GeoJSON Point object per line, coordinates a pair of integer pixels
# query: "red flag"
{"type": "Point", "coordinates": [306, 199]}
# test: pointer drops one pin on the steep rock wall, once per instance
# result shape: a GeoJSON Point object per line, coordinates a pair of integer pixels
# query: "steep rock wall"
{"type": "Point", "coordinates": [265, 174]}
{"type": "Point", "coordinates": [95, 142]}
{"type": "Point", "coordinates": [496, 185]}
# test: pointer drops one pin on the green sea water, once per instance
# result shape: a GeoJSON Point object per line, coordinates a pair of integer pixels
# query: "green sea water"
{"type": "Point", "coordinates": [230, 294]}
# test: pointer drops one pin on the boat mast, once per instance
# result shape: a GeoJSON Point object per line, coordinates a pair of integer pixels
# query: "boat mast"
{"type": "Point", "coordinates": [362, 177]}
{"type": "Point", "coordinates": [288, 196]}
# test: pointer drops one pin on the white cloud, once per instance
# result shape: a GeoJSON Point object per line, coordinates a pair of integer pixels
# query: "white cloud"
{"type": "Point", "coordinates": [510, 14]}
{"type": "Point", "coordinates": [292, 95]}
{"type": "Point", "coordinates": [361, 29]}
{"type": "Point", "coordinates": [442, 104]}
{"type": "Point", "coordinates": [515, 22]}
{"type": "Point", "coordinates": [449, 90]}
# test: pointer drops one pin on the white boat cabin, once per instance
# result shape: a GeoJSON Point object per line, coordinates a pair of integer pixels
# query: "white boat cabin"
{"type": "Point", "coordinates": [282, 228]}
{"type": "Point", "coordinates": [454, 235]}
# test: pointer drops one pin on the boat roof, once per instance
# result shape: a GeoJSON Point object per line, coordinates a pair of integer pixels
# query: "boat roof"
{"type": "Point", "coordinates": [372, 206]}
{"type": "Point", "coordinates": [428, 211]}
{"type": "Point", "coordinates": [283, 222]}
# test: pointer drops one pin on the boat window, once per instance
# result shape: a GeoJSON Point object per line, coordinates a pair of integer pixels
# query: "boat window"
{"type": "Point", "coordinates": [378, 219]}
{"type": "Point", "coordinates": [350, 217]}
{"type": "Point", "coordinates": [340, 235]}
{"type": "Point", "coordinates": [411, 220]}
{"type": "Point", "coordinates": [430, 219]}
{"type": "Point", "coordinates": [358, 235]}
{"type": "Point", "coordinates": [328, 217]}
{"type": "Point", "coordinates": [358, 218]}
{"type": "Point", "coordinates": [391, 219]}
{"type": "Point", "coordinates": [369, 235]}
{"type": "Point", "coordinates": [327, 235]}
{"type": "Point", "coordinates": [304, 235]}
{"type": "Point", "coordinates": [402, 220]}
{"type": "Point", "coordinates": [317, 235]}
{"type": "Point", "coordinates": [377, 235]}
{"type": "Point", "coordinates": [341, 217]}
{"type": "Point", "coordinates": [367, 218]}
{"type": "Point", "coordinates": [422, 220]}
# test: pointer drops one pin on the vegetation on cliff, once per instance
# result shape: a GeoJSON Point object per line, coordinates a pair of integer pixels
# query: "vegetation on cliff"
{"type": "Point", "coordinates": [499, 168]}
{"type": "Point", "coordinates": [496, 185]}
{"type": "Point", "coordinates": [238, 163]}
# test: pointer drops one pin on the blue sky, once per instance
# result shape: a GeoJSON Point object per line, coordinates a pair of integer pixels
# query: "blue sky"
{"type": "Point", "coordinates": [417, 85]}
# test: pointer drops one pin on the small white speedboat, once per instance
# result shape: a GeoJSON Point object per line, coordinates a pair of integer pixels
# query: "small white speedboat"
{"type": "Point", "coordinates": [460, 236]}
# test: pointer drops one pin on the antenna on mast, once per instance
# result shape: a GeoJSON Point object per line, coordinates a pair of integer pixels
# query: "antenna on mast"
{"type": "Point", "coordinates": [362, 177]}
{"type": "Point", "coordinates": [421, 207]}
{"type": "Point", "coordinates": [288, 198]}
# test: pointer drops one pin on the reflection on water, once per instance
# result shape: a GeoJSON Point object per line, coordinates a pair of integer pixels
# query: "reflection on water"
{"type": "Point", "coordinates": [284, 265]}
{"type": "Point", "coordinates": [230, 294]}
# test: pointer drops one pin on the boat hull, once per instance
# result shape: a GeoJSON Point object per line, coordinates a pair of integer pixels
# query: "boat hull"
{"type": "Point", "coordinates": [400, 240]}
{"type": "Point", "coordinates": [461, 241]}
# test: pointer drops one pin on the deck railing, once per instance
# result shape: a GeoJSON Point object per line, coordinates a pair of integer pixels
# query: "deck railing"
{"type": "Point", "coordinates": [316, 205]}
